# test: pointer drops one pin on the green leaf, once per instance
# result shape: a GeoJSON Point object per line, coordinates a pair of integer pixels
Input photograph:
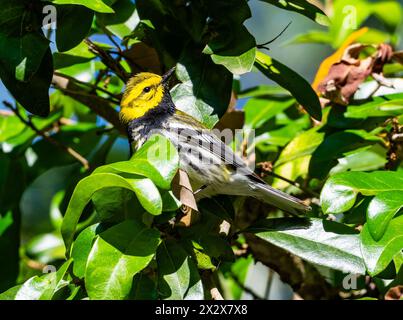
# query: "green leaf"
{"type": "Point", "coordinates": [157, 159]}
{"type": "Point", "coordinates": [344, 14]}
{"type": "Point", "coordinates": [313, 36]}
{"type": "Point", "coordinates": [235, 50]}
{"type": "Point", "coordinates": [178, 275]}
{"type": "Point", "coordinates": [116, 256]}
{"type": "Point", "coordinates": [33, 95]}
{"type": "Point", "coordinates": [283, 135]}
{"type": "Point", "coordinates": [82, 248]}
{"type": "Point", "coordinates": [322, 242]}
{"type": "Point", "coordinates": [383, 10]}
{"type": "Point", "coordinates": [73, 25]}
{"type": "Point", "coordinates": [23, 56]}
{"type": "Point", "coordinates": [21, 17]}
{"type": "Point", "coordinates": [302, 145]}
{"type": "Point", "coordinates": [264, 91]}
{"type": "Point", "coordinates": [22, 140]}
{"type": "Point", "coordinates": [205, 90]}
{"type": "Point", "coordinates": [302, 7]}
{"type": "Point", "coordinates": [10, 127]}
{"type": "Point", "coordinates": [363, 159]}
{"type": "Point", "coordinates": [95, 5]}
{"type": "Point", "coordinates": [13, 179]}
{"type": "Point", "coordinates": [116, 204]}
{"type": "Point", "coordinates": [5, 222]}
{"type": "Point", "coordinates": [384, 106]}
{"type": "Point", "coordinates": [149, 198]}
{"type": "Point", "coordinates": [58, 281]}
{"type": "Point", "coordinates": [143, 288]}
{"type": "Point", "coordinates": [336, 146]}
{"type": "Point", "coordinates": [39, 288]}
{"type": "Point", "coordinates": [123, 22]}
{"type": "Point", "coordinates": [170, 202]}
{"type": "Point", "coordinates": [10, 294]}
{"type": "Point", "coordinates": [382, 208]}
{"type": "Point", "coordinates": [292, 81]}
{"type": "Point", "coordinates": [340, 191]}
{"type": "Point", "coordinates": [240, 64]}
{"type": "Point", "coordinates": [378, 254]}
{"type": "Point", "coordinates": [259, 111]}
{"type": "Point", "coordinates": [77, 55]}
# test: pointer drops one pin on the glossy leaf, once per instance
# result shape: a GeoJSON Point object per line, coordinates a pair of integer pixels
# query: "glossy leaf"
{"type": "Point", "coordinates": [340, 191]}
{"type": "Point", "coordinates": [378, 254]}
{"type": "Point", "coordinates": [240, 64]}
{"type": "Point", "coordinates": [77, 55]}
{"type": "Point", "coordinates": [205, 88]}
{"type": "Point", "coordinates": [302, 145]}
{"type": "Point", "coordinates": [73, 25]}
{"type": "Point", "coordinates": [39, 288]}
{"type": "Point", "coordinates": [292, 81]}
{"type": "Point", "coordinates": [303, 7]}
{"type": "Point", "coordinates": [235, 50]}
{"type": "Point", "coordinates": [117, 255]}
{"type": "Point", "coordinates": [95, 5]}
{"type": "Point", "coordinates": [322, 242]}
{"type": "Point", "coordinates": [149, 198]}
{"type": "Point", "coordinates": [32, 94]}
{"type": "Point", "coordinates": [178, 274]}
{"type": "Point", "coordinates": [82, 248]}
{"type": "Point", "coordinates": [389, 105]}
{"type": "Point", "coordinates": [336, 146]}
{"type": "Point", "coordinates": [123, 22]}
{"type": "Point", "coordinates": [23, 55]}
{"type": "Point", "coordinates": [157, 159]}
{"type": "Point", "coordinates": [382, 208]}
{"type": "Point", "coordinates": [144, 288]}
{"type": "Point", "coordinates": [258, 111]}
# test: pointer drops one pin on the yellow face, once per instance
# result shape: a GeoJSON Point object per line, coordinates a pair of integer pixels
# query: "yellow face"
{"type": "Point", "coordinates": [143, 92]}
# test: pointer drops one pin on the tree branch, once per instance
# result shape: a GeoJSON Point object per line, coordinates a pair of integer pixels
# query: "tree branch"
{"type": "Point", "coordinates": [108, 60]}
{"type": "Point", "coordinates": [244, 288]}
{"type": "Point", "coordinates": [116, 98]}
{"type": "Point", "coordinates": [97, 104]}
{"type": "Point", "coordinates": [56, 143]}
{"type": "Point", "coordinates": [210, 285]}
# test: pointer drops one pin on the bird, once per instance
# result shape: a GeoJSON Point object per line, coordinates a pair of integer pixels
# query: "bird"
{"type": "Point", "coordinates": [213, 168]}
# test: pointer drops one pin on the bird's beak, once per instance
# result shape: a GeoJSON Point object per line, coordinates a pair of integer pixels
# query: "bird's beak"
{"type": "Point", "coordinates": [167, 76]}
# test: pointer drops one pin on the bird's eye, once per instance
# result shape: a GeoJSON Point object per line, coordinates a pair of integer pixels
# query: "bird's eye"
{"type": "Point", "coordinates": [147, 89]}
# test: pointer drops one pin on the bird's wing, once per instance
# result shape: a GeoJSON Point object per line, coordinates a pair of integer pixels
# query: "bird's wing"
{"type": "Point", "coordinates": [201, 137]}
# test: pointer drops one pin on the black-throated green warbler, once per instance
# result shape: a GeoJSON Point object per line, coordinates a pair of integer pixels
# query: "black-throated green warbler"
{"type": "Point", "coordinates": [212, 167]}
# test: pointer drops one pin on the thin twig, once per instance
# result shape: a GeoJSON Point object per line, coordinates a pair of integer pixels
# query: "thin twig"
{"type": "Point", "coordinates": [108, 60]}
{"type": "Point", "coordinates": [110, 37]}
{"type": "Point", "coordinates": [264, 45]}
{"type": "Point", "coordinates": [97, 104]}
{"type": "Point", "coordinates": [28, 122]}
{"type": "Point", "coordinates": [90, 85]}
{"type": "Point", "coordinates": [85, 94]}
{"type": "Point", "coordinates": [244, 288]}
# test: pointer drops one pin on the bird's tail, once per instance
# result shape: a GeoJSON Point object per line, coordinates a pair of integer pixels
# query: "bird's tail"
{"type": "Point", "coordinates": [279, 199]}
